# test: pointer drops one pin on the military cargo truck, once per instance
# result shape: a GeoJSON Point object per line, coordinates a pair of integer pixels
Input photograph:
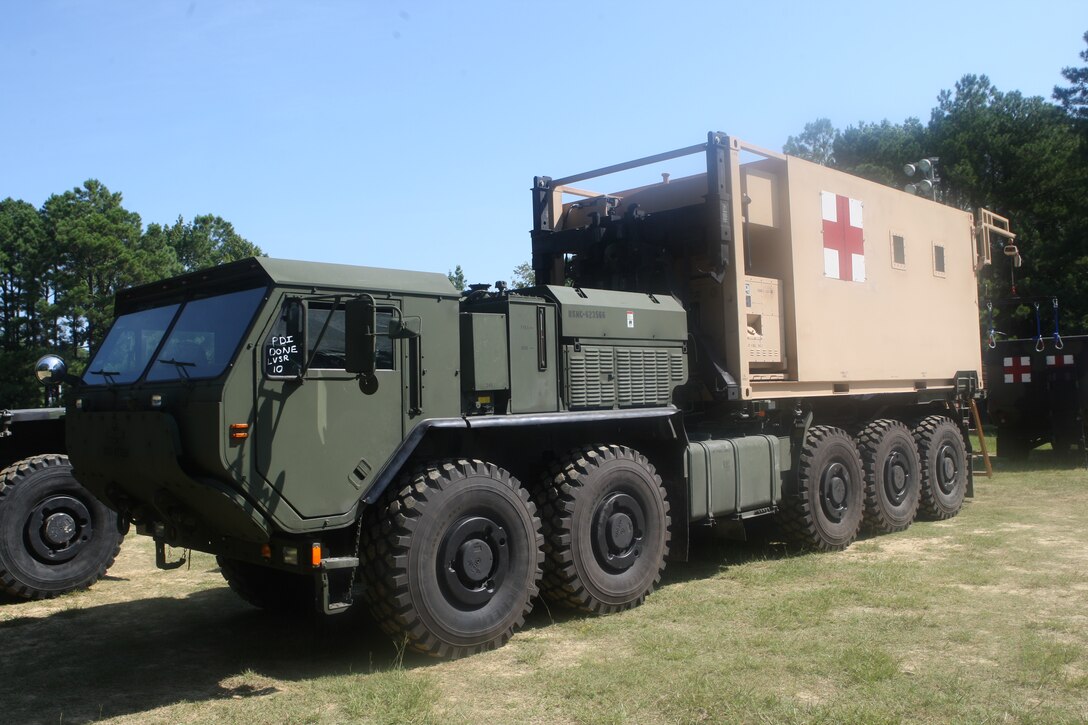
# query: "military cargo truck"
{"type": "Point", "coordinates": [1037, 393]}
{"type": "Point", "coordinates": [55, 537]}
{"type": "Point", "coordinates": [769, 338]}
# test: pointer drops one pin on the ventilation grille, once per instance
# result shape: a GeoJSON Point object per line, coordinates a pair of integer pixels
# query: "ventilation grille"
{"type": "Point", "coordinates": [607, 377]}
{"type": "Point", "coordinates": [591, 378]}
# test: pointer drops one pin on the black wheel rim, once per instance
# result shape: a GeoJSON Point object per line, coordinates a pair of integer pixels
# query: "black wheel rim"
{"type": "Point", "coordinates": [897, 475]}
{"type": "Point", "coordinates": [948, 468]}
{"type": "Point", "coordinates": [474, 557]}
{"type": "Point", "coordinates": [835, 485]}
{"type": "Point", "coordinates": [57, 528]}
{"type": "Point", "coordinates": [619, 529]}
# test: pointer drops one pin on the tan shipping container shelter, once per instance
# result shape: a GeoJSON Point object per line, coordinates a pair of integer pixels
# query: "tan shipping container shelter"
{"type": "Point", "coordinates": [838, 285]}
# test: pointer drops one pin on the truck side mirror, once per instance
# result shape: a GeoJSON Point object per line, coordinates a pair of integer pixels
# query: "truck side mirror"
{"type": "Point", "coordinates": [361, 335]}
{"type": "Point", "coordinates": [284, 350]}
{"type": "Point", "coordinates": [51, 370]}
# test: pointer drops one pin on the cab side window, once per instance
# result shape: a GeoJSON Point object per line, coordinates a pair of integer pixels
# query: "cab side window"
{"type": "Point", "coordinates": [385, 358]}
{"type": "Point", "coordinates": [327, 353]}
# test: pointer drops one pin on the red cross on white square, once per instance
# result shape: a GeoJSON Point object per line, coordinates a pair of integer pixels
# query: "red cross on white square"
{"type": "Point", "coordinates": [1059, 361]}
{"type": "Point", "coordinates": [844, 240]}
{"type": "Point", "coordinates": [1017, 369]}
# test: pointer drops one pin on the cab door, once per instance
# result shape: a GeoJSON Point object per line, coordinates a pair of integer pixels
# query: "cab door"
{"type": "Point", "coordinates": [320, 433]}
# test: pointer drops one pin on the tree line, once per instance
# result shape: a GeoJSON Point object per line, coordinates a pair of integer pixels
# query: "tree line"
{"type": "Point", "coordinates": [62, 263]}
{"type": "Point", "coordinates": [521, 277]}
{"type": "Point", "coordinates": [1024, 157]}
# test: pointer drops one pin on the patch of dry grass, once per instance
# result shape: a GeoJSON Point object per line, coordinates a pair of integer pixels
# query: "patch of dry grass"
{"type": "Point", "coordinates": [979, 618]}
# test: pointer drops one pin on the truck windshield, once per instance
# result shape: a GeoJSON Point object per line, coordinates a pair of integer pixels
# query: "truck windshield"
{"type": "Point", "coordinates": [201, 337]}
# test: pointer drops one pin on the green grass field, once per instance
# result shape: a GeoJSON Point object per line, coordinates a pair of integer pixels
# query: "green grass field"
{"type": "Point", "coordinates": [982, 618]}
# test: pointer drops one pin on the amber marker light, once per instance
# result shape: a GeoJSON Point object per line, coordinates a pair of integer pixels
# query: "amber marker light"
{"type": "Point", "coordinates": [266, 551]}
{"type": "Point", "coordinates": [239, 431]}
{"type": "Point", "coordinates": [315, 555]}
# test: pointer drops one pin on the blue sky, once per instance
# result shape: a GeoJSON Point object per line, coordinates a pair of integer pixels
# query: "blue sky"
{"type": "Point", "coordinates": [406, 133]}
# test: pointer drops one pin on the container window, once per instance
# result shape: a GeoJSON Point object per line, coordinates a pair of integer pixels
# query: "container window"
{"type": "Point", "coordinates": [899, 252]}
{"type": "Point", "coordinates": [938, 260]}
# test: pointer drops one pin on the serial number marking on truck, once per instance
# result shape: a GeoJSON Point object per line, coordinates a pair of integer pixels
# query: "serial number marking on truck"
{"type": "Point", "coordinates": [588, 314]}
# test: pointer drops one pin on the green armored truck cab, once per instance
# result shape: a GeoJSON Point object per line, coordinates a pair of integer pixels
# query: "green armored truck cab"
{"type": "Point", "coordinates": [284, 415]}
{"type": "Point", "coordinates": [333, 432]}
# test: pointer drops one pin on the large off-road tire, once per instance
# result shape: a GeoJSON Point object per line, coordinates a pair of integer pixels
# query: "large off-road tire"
{"type": "Point", "coordinates": [55, 537]}
{"type": "Point", "coordinates": [893, 472]}
{"type": "Point", "coordinates": [606, 529]}
{"type": "Point", "coordinates": [452, 558]}
{"type": "Point", "coordinates": [944, 467]}
{"type": "Point", "coordinates": [822, 504]}
{"type": "Point", "coordinates": [271, 589]}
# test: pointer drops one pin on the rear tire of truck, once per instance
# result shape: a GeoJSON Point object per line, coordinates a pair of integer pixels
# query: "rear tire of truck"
{"type": "Point", "coordinates": [270, 589]}
{"type": "Point", "coordinates": [944, 467]}
{"type": "Point", "coordinates": [55, 537]}
{"type": "Point", "coordinates": [823, 503]}
{"type": "Point", "coordinates": [452, 558]}
{"type": "Point", "coordinates": [892, 467]}
{"type": "Point", "coordinates": [606, 529]}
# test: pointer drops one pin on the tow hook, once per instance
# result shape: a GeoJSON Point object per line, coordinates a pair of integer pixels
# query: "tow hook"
{"type": "Point", "coordinates": [160, 557]}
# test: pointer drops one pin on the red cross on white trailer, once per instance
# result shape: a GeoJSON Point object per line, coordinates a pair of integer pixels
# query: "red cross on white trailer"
{"type": "Point", "coordinates": [1059, 361]}
{"type": "Point", "coordinates": [844, 240]}
{"type": "Point", "coordinates": [1018, 369]}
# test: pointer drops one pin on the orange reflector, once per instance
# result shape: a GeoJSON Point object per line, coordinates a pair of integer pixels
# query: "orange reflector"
{"type": "Point", "coordinates": [315, 555]}
{"type": "Point", "coordinates": [239, 431]}
{"type": "Point", "coordinates": [266, 551]}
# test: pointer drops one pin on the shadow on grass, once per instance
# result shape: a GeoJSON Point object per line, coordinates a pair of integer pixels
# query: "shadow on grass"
{"type": "Point", "coordinates": [1043, 460]}
{"type": "Point", "coordinates": [710, 554]}
{"type": "Point", "coordinates": [6, 598]}
{"type": "Point", "coordinates": [131, 657]}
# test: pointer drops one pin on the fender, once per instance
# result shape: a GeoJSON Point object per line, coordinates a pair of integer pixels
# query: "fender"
{"type": "Point", "coordinates": [411, 442]}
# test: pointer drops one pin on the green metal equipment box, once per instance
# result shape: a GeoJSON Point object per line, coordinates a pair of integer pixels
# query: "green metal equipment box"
{"type": "Point", "coordinates": [736, 476]}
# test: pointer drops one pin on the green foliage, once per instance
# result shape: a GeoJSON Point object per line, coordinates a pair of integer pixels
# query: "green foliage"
{"type": "Point", "coordinates": [1074, 97]}
{"type": "Point", "coordinates": [457, 278]}
{"type": "Point", "coordinates": [815, 143]}
{"type": "Point", "coordinates": [877, 151]}
{"type": "Point", "coordinates": [22, 271]}
{"type": "Point", "coordinates": [61, 265]}
{"type": "Point", "coordinates": [97, 248]}
{"type": "Point", "coordinates": [523, 276]}
{"type": "Point", "coordinates": [204, 242]}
